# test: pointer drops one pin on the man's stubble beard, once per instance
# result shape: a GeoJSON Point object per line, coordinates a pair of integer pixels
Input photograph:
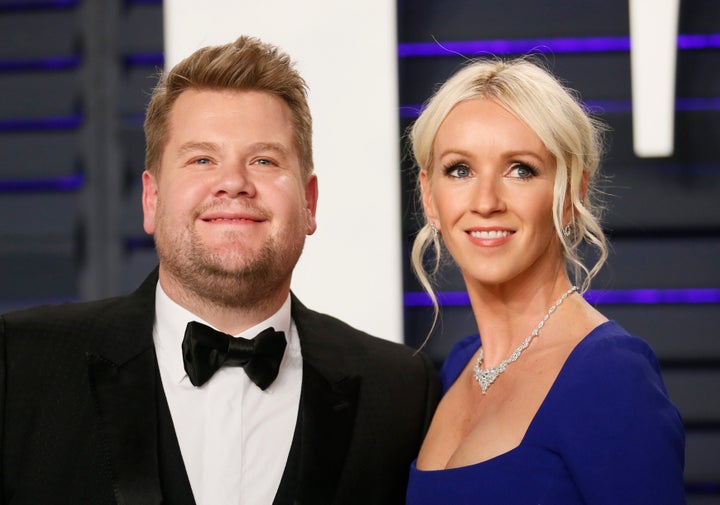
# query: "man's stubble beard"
{"type": "Point", "coordinates": [254, 280]}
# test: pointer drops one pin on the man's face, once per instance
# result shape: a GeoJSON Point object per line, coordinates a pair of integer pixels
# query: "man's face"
{"type": "Point", "coordinates": [229, 208]}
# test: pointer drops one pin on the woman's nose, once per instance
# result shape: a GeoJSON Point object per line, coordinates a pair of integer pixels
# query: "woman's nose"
{"type": "Point", "coordinates": [487, 197]}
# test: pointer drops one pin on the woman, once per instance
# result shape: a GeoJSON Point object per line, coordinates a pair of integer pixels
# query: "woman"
{"type": "Point", "coordinates": [552, 404]}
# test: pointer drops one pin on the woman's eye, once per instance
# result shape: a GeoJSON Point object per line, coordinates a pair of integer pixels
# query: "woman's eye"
{"type": "Point", "coordinates": [522, 171]}
{"type": "Point", "coordinates": [459, 171]}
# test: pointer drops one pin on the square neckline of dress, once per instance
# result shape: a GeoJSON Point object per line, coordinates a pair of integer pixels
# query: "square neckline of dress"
{"type": "Point", "coordinates": [543, 405]}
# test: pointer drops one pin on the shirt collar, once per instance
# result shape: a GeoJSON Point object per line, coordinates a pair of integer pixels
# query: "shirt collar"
{"type": "Point", "coordinates": [171, 320]}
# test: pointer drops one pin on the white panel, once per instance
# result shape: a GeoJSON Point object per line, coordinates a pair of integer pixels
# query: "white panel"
{"type": "Point", "coordinates": [346, 51]}
{"type": "Point", "coordinates": [653, 38]}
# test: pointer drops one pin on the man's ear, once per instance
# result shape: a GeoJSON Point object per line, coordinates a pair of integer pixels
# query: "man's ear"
{"type": "Point", "coordinates": [149, 201]}
{"type": "Point", "coordinates": [311, 198]}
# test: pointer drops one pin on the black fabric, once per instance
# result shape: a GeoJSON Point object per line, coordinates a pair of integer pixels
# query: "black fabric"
{"type": "Point", "coordinates": [206, 349]}
{"type": "Point", "coordinates": [174, 482]}
{"type": "Point", "coordinates": [290, 482]}
{"type": "Point", "coordinates": [122, 397]}
{"type": "Point", "coordinates": [82, 420]}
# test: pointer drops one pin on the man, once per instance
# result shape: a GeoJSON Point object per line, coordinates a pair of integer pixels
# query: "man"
{"type": "Point", "coordinates": [156, 397]}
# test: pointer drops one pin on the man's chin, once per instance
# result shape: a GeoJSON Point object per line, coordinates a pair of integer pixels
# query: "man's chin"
{"type": "Point", "coordinates": [234, 271]}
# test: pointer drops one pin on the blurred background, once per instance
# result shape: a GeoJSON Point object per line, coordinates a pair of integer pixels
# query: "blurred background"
{"type": "Point", "coordinates": [75, 77]}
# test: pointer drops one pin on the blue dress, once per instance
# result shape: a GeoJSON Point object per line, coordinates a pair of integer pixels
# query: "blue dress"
{"type": "Point", "coordinates": [606, 433]}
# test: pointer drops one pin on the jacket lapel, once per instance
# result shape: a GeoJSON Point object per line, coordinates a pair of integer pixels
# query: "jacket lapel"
{"type": "Point", "coordinates": [125, 399]}
{"type": "Point", "coordinates": [124, 384]}
{"type": "Point", "coordinates": [328, 406]}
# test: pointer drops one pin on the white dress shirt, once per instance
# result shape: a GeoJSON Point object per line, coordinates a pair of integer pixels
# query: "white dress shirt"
{"type": "Point", "coordinates": [234, 437]}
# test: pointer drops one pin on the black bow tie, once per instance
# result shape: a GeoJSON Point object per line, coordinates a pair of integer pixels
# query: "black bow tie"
{"type": "Point", "coordinates": [206, 349]}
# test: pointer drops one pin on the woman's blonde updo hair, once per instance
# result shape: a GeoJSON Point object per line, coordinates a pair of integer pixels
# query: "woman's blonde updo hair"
{"type": "Point", "coordinates": [553, 112]}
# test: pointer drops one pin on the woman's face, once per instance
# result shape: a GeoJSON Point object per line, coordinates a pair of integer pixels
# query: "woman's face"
{"type": "Point", "coordinates": [491, 195]}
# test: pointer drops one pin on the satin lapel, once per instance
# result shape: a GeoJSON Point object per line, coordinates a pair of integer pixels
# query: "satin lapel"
{"type": "Point", "coordinates": [125, 397]}
{"type": "Point", "coordinates": [328, 406]}
{"type": "Point", "coordinates": [174, 480]}
{"type": "Point", "coordinates": [328, 416]}
{"type": "Point", "coordinates": [123, 383]}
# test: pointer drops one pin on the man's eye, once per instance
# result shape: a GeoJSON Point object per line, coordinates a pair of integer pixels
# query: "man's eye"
{"type": "Point", "coordinates": [265, 162]}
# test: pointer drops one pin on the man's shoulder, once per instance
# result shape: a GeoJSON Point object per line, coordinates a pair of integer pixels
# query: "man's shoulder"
{"type": "Point", "coordinates": [395, 377]}
{"type": "Point", "coordinates": [51, 314]}
{"type": "Point", "coordinates": [101, 313]}
{"type": "Point", "coordinates": [355, 336]}
{"type": "Point", "coordinates": [61, 328]}
{"type": "Point", "coordinates": [337, 337]}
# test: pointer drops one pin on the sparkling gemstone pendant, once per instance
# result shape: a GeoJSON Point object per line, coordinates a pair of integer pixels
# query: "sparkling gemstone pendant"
{"type": "Point", "coordinates": [486, 377]}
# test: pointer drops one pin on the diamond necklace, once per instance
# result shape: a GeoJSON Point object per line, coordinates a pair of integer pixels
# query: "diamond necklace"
{"type": "Point", "coordinates": [487, 376]}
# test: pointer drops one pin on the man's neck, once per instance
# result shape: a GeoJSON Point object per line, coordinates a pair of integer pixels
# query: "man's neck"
{"type": "Point", "coordinates": [230, 319]}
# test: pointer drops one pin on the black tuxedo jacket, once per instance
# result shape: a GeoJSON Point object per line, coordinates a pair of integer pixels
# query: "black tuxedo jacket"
{"type": "Point", "coordinates": [84, 420]}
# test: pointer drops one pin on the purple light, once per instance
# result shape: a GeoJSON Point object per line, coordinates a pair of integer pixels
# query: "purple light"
{"type": "Point", "coordinates": [62, 183]}
{"type": "Point", "coordinates": [39, 4]}
{"type": "Point", "coordinates": [698, 103]}
{"type": "Point", "coordinates": [685, 104]}
{"type": "Point", "coordinates": [411, 111]}
{"type": "Point", "coordinates": [145, 59]}
{"type": "Point", "coordinates": [653, 296]}
{"type": "Point", "coordinates": [446, 298]}
{"type": "Point", "coordinates": [555, 45]}
{"type": "Point", "coordinates": [500, 46]}
{"type": "Point", "coordinates": [608, 106]}
{"type": "Point", "coordinates": [594, 296]}
{"type": "Point", "coordinates": [43, 123]}
{"type": "Point", "coordinates": [49, 63]}
{"type": "Point", "coordinates": [700, 41]}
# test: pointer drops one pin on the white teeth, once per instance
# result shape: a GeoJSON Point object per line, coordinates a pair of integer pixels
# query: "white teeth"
{"type": "Point", "coordinates": [490, 234]}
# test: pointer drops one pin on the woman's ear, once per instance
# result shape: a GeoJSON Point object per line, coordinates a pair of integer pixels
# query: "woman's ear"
{"type": "Point", "coordinates": [427, 199]}
{"type": "Point", "coordinates": [568, 212]}
{"type": "Point", "coordinates": [583, 185]}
